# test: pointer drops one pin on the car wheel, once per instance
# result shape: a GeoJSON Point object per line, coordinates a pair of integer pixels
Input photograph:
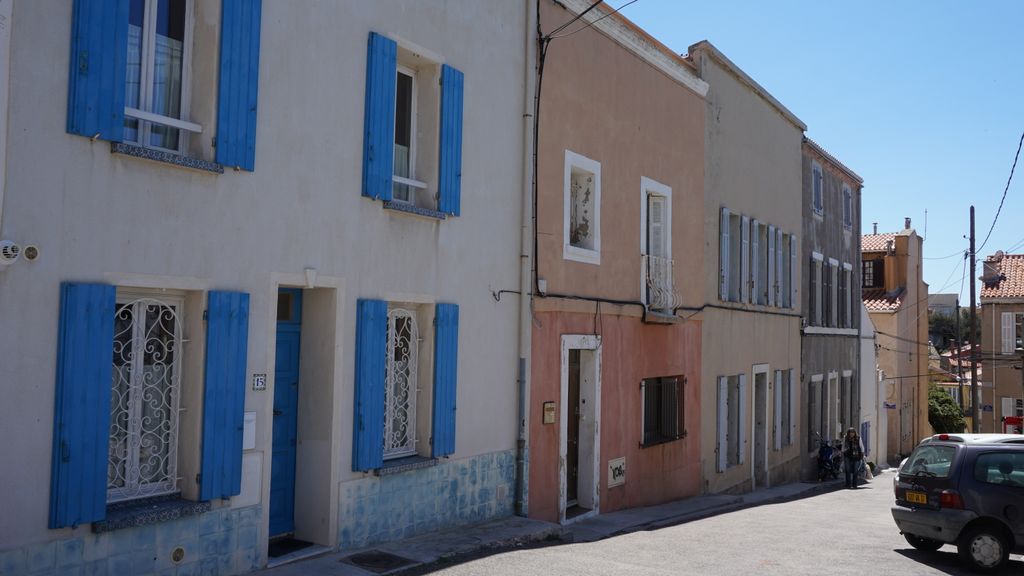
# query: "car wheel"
{"type": "Point", "coordinates": [925, 544]}
{"type": "Point", "coordinates": [984, 548]}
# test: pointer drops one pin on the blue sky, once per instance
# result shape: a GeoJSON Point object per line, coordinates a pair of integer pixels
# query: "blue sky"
{"type": "Point", "coordinates": [923, 99]}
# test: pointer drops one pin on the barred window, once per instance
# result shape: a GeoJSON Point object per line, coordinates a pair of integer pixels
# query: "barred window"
{"type": "Point", "coordinates": [663, 409]}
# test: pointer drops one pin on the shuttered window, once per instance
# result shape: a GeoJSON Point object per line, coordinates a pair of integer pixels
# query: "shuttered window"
{"type": "Point", "coordinates": [394, 117]}
{"type": "Point", "coordinates": [390, 391]}
{"type": "Point", "coordinates": [817, 188]}
{"type": "Point", "coordinates": [93, 366]}
{"type": "Point", "coordinates": [129, 61]}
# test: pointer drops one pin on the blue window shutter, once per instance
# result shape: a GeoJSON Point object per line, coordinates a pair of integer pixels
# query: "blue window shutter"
{"type": "Point", "coordinates": [451, 141]}
{"type": "Point", "coordinates": [379, 117]}
{"type": "Point", "coordinates": [99, 54]}
{"type": "Point", "coordinates": [446, 369]}
{"type": "Point", "coordinates": [227, 336]}
{"type": "Point", "coordinates": [371, 355]}
{"type": "Point", "coordinates": [81, 427]}
{"type": "Point", "coordinates": [239, 83]}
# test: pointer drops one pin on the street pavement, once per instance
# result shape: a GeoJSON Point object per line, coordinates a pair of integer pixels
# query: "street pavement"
{"type": "Point", "coordinates": [788, 530]}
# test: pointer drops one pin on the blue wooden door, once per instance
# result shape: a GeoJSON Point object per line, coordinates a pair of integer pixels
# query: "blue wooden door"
{"type": "Point", "coordinates": [286, 402]}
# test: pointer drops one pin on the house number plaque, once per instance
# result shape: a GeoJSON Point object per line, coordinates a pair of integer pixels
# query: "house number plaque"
{"type": "Point", "coordinates": [549, 412]}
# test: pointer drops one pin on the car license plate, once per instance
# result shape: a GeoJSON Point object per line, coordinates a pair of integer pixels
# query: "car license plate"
{"type": "Point", "coordinates": [917, 497]}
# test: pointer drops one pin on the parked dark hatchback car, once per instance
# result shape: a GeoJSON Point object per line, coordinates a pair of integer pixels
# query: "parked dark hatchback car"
{"type": "Point", "coordinates": [970, 495]}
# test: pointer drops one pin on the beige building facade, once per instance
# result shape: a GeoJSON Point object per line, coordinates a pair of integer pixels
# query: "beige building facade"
{"type": "Point", "coordinates": [896, 298]}
{"type": "Point", "coordinates": [751, 288]}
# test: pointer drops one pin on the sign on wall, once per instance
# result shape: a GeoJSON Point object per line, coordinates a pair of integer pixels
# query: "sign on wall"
{"type": "Point", "coordinates": [617, 472]}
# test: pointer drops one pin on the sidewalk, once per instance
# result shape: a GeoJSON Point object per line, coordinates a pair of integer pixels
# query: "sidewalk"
{"type": "Point", "coordinates": [516, 531]}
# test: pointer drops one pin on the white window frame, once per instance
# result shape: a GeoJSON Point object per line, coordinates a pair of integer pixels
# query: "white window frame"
{"type": "Point", "coordinates": [817, 265]}
{"type": "Point", "coordinates": [833, 269]}
{"type": "Point", "coordinates": [650, 187]}
{"type": "Point", "coordinates": [145, 117]}
{"type": "Point", "coordinates": [133, 488]}
{"type": "Point", "coordinates": [817, 193]}
{"type": "Point", "coordinates": [570, 252]}
{"type": "Point", "coordinates": [848, 301]}
{"type": "Point", "coordinates": [755, 259]}
{"type": "Point", "coordinates": [847, 207]}
{"type": "Point", "coordinates": [815, 388]}
{"type": "Point", "coordinates": [410, 180]}
{"type": "Point", "coordinates": [409, 448]}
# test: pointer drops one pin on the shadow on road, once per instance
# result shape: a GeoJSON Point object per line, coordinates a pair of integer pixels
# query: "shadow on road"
{"type": "Point", "coordinates": [947, 561]}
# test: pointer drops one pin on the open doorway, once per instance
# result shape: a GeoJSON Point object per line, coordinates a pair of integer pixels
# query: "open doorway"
{"type": "Point", "coordinates": [580, 413]}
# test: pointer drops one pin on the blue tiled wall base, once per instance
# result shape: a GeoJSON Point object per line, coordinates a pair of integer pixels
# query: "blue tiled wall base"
{"type": "Point", "coordinates": [221, 542]}
{"type": "Point", "coordinates": [453, 493]}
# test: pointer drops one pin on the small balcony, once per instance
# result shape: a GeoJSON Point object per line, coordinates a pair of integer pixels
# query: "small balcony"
{"type": "Point", "coordinates": [661, 294]}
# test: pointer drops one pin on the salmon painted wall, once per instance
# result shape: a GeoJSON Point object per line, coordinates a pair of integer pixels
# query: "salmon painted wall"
{"type": "Point", "coordinates": [603, 102]}
{"type": "Point", "coordinates": [630, 352]}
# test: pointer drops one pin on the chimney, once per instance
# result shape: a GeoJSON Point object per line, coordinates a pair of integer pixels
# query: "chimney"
{"type": "Point", "coordinates": [874, 225]}
{"type": "Point", "coordinates": [906, 223]}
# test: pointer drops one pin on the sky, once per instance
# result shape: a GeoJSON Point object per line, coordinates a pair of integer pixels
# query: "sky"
{"type": "Point", "coordinates": [923, 99]}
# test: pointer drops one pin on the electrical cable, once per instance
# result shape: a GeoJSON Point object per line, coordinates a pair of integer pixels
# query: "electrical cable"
{"type": "Point", "coordinates": [1008, 180]}
{"type": "Point", "coordinates": [552, 36]}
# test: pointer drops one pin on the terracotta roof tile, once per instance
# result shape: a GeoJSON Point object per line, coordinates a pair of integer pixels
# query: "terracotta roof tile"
{"type": "Point", "coordinates": [877, 300]}
{"type": "Point", "coordinates": [1011, 271]}
{"type": "Point", "coordinates": [875, 242]}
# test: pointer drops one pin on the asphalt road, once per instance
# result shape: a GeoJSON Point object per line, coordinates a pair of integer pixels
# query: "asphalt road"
{"type": "Point", "coordinates": [842, 532]}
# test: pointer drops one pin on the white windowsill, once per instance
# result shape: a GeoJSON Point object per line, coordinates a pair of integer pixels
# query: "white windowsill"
{"type": "Point", "coordinates": [570, 252]}
{"type": "Point", "coordinates": [825, 331]}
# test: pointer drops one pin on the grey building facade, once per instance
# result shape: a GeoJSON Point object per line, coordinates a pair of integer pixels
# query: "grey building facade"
{"type": "Point", "coordinates": [831, 301]}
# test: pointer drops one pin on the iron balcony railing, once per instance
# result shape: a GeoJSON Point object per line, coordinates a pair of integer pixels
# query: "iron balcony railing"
{"type": "Point", "coordinates": [661, 293]}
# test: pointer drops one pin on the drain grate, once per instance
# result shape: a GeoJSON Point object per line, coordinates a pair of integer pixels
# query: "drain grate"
{"type": "Point", "coordinates": [377, 561]}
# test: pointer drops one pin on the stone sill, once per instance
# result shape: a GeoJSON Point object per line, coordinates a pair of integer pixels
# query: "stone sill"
{"type": "Point", "coordinates": [164, 157]}
{"type": "Point", "coordinates": [148, 511]}
{"type": "Point", "coordinates": [399, 465]}
{"type": "Point", "coordinates": [414, 210]}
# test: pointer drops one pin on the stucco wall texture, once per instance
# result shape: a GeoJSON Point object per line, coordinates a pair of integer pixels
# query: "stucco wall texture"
{"type": "Point", "coordinates": [630, 351]}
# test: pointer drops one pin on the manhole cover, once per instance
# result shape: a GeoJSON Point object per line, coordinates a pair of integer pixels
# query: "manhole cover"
{"type": "Point", "coordinates": [377, 562]}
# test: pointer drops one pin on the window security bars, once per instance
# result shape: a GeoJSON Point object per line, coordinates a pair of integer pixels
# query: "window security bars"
{"type": "Point", "coordinates": [662, 410]}
{"type": "Point", "coordinates": [661, 294]}
{"type": "Point", "coordinates": [145, 400]}
{"type": "Point", "coordinates": [401, 384]}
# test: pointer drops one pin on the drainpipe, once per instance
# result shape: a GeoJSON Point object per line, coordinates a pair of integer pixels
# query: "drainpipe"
{"type": "Point", "coordinates": [5, 82]}
{"type": "Point", "coordinates": [525, 250]}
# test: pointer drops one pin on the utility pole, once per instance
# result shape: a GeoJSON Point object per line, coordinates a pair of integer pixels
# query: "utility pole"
{"type": "Point", "coordinates": [975, 352]}
{"type": "Point", "coordinates": [959, 358]}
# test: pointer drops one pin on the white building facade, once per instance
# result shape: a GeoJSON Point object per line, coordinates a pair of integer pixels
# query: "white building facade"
{"type": "Point", "coordinates": [254, 295]}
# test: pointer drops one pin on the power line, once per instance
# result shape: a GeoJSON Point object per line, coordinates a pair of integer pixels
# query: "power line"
{"type": "Point", "coordinates": [957, 253]}
{"type": "Point", "coordinates": [552, 37]}
{"type": "Point", "coordinates": [1008, 180]}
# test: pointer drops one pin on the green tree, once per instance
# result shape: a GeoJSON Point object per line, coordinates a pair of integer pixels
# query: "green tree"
{"type": "Point", "coordinates": [945, 416]}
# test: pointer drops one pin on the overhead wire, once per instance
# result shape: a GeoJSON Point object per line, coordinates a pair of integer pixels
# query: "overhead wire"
{"type": "Point", "coordinates": [552, 36]}
{"type": "Point", "coordinates": [1008, 180]}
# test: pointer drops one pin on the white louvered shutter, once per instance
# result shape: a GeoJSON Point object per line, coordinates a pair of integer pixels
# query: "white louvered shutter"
{"type": "Point", "coordinates": [770, 288]}
{"type": "Point", "coordinates": [742, 399]}
{"type": "Point", "coordinates": [745, 260]}
{"type": "Point", "coordinates": [1008, 333]}
{"type": "Point", "coordinates": [723, 424]}
{"type": "Point", "coordinates": [656, 244]}
{"type": "Point", "coordinates": [755, 277]}
{"type": "Point", "coordinates": [723, 256]}
{"type": "Point", "coordinates": [794, 271]}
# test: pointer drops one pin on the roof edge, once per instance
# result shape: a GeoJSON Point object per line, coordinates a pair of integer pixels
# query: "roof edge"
{"type": "Point", "coordinates": [817, 148]}
{"type": "Point", "coordinates": [636, 40]}
{"type": "Point", "coordinates": [706, 47]}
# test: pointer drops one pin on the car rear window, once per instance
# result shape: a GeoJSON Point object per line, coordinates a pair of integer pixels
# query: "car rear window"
{"type": "Point", "coordinates": [930, 459]}
{"type": "Point", "coordinates": [1005, 468]}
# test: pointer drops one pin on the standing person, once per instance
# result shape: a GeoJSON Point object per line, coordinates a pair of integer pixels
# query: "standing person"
{"type": "Point", "coordinates": [853, 453]}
